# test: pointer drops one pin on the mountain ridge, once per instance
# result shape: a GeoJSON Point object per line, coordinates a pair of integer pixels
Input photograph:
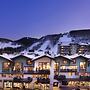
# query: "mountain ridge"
{"type": "Point", "coordinates": [45, 44]}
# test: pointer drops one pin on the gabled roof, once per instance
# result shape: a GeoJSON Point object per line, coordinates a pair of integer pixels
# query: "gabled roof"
{"type": "Point", "coordinates": [5, 58]}
{"type": "Point", "coordinates": [71, 56]}
{"type": "Point", "coordinates": [88, 56]}
{"type": "Point", "coordinates": [20, 55]}
{"type": "Point", "coordinates": [61, 56]}
{"type": "Point", "coordinates": [38, 57]}
{"type": "Point", "coordinates": [80, 56]}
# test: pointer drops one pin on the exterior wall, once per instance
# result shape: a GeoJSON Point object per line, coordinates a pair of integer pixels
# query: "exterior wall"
{"type": "Point", "coordinates": [60, 61]}
{"type": "Point", "coordinates": [43, 59]}
{"type": "Point", "coordinates": [78, 60]}
{"type": "Point", "coordinates": [22, 60]}
{"type": "Point", "coordinates": [51, 76]}
{"type": "Point", "coordinates": [68, 64]}
{"type": "Point", "coordinates": [49, 60]}
{"type": "Point", "coordinates": [88, 68]}
{"type": "Point", "coordinates": [1, 61]}
{"type": "Point", "coordinates": [46, 59]}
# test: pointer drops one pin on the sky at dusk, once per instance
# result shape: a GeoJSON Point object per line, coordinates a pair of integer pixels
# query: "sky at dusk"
{"type": "Point", "coordinates": [35, 18]}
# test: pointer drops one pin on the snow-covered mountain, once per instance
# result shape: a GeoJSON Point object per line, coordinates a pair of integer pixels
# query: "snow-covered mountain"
{"type": "Point", "coordinates": [4, 43]}
{"type": "Point", "coordinates": [45, 45]}
{"type": "Point", "coordinates": [49, 44]}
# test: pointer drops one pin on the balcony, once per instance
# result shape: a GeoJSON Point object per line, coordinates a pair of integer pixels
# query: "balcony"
{"type": "Point", "coordinates": [17, 71]}
{"type": "Point", "coordinates": [43, 71]}
{"type": "Point", "coordinates": [37, 72]}
{"type": "Point", "coordinates": [82, 70]}
{"type": "Point", "coordinates": [29, 72]}
{"type": "Point", "coordinates": [87, 78]}
{"type": "Point", "coordinates": [43, 80]}
{"type": "Point", "coordinates": [68, 70]}
{"type": "Point", "coordinates": [6, 71]}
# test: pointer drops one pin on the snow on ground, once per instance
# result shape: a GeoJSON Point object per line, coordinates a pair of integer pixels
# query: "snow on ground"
{"type": "Point", "coordinates": [44, 45]}
{"type": "Point", "coordinates": [9, 44]}
{"type": "Point", "coordinates": [54, 50]}
{"type": "Point", "coordinates": [35, 44]}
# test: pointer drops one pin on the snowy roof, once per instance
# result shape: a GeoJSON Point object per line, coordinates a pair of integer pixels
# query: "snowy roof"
{"type": "Point", "coordinates": [23, 55]}
{"type": "Point", "coordinates": [81, 56]}
{"type": "Point", "coordinates": [6, 57]}
{"type": "Point", "coordinates": [87, 56]}
{"type": "Point", "coordinates": [77, 55]}
{"type": "Point", "coordinates": [80, 43]}
{"type": "Point", "coordinates": [41, 56]}
{"type": "Point", "coordinates": [71, 56]}
{"type": "Point", "coordinates": [29, 56]}
{"type": "Point", "coordinates": [62, 56]}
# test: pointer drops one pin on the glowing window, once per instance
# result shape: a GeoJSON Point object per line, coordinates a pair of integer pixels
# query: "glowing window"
{"type": "Point", "coordinates": [65, 62]}
{"type": "Point", "coordinates": [82, 65]}
{"type": "Point", "coordinates": [17, 66]}
{"type": "Point", "coordinates": [6, 66]}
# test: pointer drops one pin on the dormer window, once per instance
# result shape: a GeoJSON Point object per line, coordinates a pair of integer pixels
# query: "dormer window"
{"type": "Point", "coordinates": [6, 66]}
{"type": "Point", "coordinates": [17, 66]}
{"type": "Point", "coordinates": [74, 61]}
{"type": "Point", "coordinates": [64, 62]}
{"type": "Point", "coordinates": [29, 62]}
{"type": "Point", "coordinates": [82, 65]}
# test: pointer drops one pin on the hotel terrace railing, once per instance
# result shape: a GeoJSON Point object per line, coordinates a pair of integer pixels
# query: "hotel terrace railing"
{"type": "Point", "coordinates": [37, 72]}
{"type": "Point", "coordinates": [68, 70]}
{"type": "Point", "coordinates": [43, 80]}
{"type": "Point", "coordinates": [6, 71]}
{"type": "Point", "coordinates": [84, 78]}
{"type": "Point", "coordinates": [17, 71]}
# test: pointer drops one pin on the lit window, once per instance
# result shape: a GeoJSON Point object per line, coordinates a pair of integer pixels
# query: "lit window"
{"type": "Point", "coordinates": [65, 62]}
{"type": "Point", "coordinates": [63, 67]}
{"type": "Point", "coordinates": [82, 65]}
{"type": "Point", "coordinates": [80, 51]}
{"type": "Point", "coordinates": [56, 66]}
{"type": "Point", "coordinates": [72, 67]}
{"type": "Point", "coordinates": [6, 66]}
{"type": "Point", "coordinates": [8, 84]}
{"type": "Point", "coordinates": [70, 74]}
{"type": "Point", "coordinates": [44, 65]}
{"type": "Point", "coordinates": [29, 62]}
{"type": "Point", "coordinates": [17, 66]}
{"type": "Point", "coordinates": [62, 46]}
{"type": "Point", "coordinates": [74, 61]}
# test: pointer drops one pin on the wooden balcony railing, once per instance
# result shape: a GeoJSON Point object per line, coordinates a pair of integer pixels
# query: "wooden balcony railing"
{"type": "Point", "coordinates": [68, 70]}
{"type": "Point", "coordinates": [6, 71]}
{"type": "Point", "coordinates": [37, 72]}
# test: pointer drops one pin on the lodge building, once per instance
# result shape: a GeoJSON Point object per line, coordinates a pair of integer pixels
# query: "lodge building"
{"type": "Point", "coordinates": [72, 66]}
